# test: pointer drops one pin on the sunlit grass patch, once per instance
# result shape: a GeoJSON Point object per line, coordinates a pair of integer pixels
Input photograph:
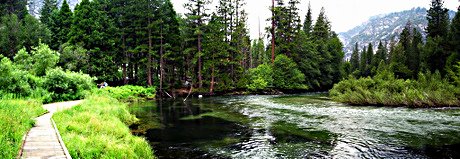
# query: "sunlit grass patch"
{"type": "Point", "coordinates": [16, 118]}
{"type": "Point", "coordinates": [98, 128]}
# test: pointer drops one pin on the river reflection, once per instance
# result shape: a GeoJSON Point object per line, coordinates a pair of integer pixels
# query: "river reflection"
{"type": "Point", "coordinates": [300, 126]}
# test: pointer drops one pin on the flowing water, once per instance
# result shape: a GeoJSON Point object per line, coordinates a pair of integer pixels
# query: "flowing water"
{"type": "Point", "coordinates": [300, 126]}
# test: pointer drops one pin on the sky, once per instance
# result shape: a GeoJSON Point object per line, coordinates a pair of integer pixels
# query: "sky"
{"type": "Point", "coordinates": [343, 14]}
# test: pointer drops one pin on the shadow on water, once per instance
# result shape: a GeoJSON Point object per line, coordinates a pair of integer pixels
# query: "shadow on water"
{"type": "Point", "coordinates": [295, 126]}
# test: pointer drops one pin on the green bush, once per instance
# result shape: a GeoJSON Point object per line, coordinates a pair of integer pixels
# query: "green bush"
{"type": "Point", "coordinates": [260, 77]}
{"type": "Point", "coordinates": [384, 89]}
{"type": "Point", "coordinates": [98, 128]}
{"type": "Point", "coordinates": [16, 118]}
{"type": "Point", "coordinates": [17, 81]}
{"type": "Point", "coordinates": [128, 92]}
{"type": "Point", "coordinates": [286, 75]}
{"type": "Point", "coordinates": [67, 85]}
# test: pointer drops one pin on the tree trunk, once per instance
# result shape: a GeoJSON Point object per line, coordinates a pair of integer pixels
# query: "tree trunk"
{"type": "Point", "coordinates": [161, 61]}
{"type": "Point", "coordinates": [273, 31]}
{"type": "Point", "coordinates": [149, 60]}
{"type": "Point", "coordinates": [125, 71]}
{"type": "Point", "coordinates": [211, 90]}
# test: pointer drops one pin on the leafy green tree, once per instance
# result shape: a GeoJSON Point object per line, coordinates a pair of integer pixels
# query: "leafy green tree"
{"type": "Point", "coordinates": [73, 57]}
{"type": "Point", "coordinates": [38, 61]}
{"type": "Point", "coordinates": [16, 34]}
{"type": "Point", "coordinates": [286, 75]}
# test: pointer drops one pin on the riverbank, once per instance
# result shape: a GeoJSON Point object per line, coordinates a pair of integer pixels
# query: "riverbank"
{"type": "Point", "coordinates": [98, 128]}
{"type": "Point", "coordinates": [16, 118]}
{"type": "Point", "coordinates": [429, 90]}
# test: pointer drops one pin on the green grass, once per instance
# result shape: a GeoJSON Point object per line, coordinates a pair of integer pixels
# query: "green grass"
{"type": "Point", "coordinates": [98, 128]}
{"type": "Point", "coordinates": [16, 118]}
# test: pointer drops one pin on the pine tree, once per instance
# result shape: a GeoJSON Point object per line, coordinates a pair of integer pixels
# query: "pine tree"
{"type": "Point", "coordinates": [308, 22]}
{"type": "Point", "coordinates": [380, 55]}
{"type": "Point", "coordinates": [363, 62]}
{"type": "Point", "coordinates": [17, 7]}
{"type": "Point", "coordinates": [196, 19]}
{"type": "Point", "coordinates": [454, 41]}
{"type": "Point", "coordinates": [45, 12]}
{"type": "Point", "coordinates": [354, 60]}
{"type": "Point", "coordinates": [413, 57]}
{"type": "Point", "coordinates": [322, 27]}
{"type": "Point", "coordinates": [438, 19]}
{"type": "Point", "coordinates": [92, 29]}
{"type": "Point", "coordinates": [65, 16]}
{"type": "Point", "coordinates": [215, 51]}
{"type": "Point", "coordinates": [369, 59]}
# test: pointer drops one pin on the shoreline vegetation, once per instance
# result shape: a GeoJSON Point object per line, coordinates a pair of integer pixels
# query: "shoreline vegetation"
{"type": "Point", "coordinates": [16, 118]}
{"type": "Point", "coordinates": [98, 128]}
{"type": "Point", "coordinates": [429, 90]}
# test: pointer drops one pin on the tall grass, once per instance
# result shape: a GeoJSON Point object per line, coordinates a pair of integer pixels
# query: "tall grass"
{"type": "Point", "coordinates": [429, 90]}
{"type": "Point", "coordinates": [98, 128]}
{"type": "Point", "coordinates": [16, 118]}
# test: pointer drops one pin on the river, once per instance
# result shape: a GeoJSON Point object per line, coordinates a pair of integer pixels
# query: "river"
{"type": "Point", "coordinates": [294, 126]}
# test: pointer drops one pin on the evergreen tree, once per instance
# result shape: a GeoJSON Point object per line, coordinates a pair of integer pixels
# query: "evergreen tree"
{"type": "Point", "coordinates": [369, 59]}
{"type": "Point", "coordinates": [454, 41]}
{"type": "Point", "coordinates": [434, 54]}
{"type": "Point", "coordinates": [308, 22]}
{"type": "Point", "coordinates": [92, 29]}
{"type": "Point", "coordinates": [61, 21]}
{"type": "Point", "coordinates": [380, 55]}
{"type": "Point", "coordinates": [413, 57]}
{"type": "Point", "coordinates": [322, 27]}
{"type": "Point", "coordinates": [17, 7]}
{"type": "Point", "coordinates": [354, 60]}
{"type": "Point", "coordinates": [438, 19]}
{"type": "Point", "coordinates": [215, 52]}
{"type": "Point", "coordinates": [363, 62]}
{"type": "Point", "coordinates": [45, 12]}
{"type": "Point", "coordinates": [196, 19]}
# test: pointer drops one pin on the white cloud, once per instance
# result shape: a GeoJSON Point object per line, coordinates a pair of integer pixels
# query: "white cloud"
{"type": "Point", "coordinates": [343, 14]}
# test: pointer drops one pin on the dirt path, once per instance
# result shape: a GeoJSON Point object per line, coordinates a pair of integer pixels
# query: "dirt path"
{"type": "Point", "coordinates": [43, 140]}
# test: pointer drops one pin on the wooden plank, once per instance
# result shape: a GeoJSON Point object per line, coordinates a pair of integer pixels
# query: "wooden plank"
{"type": "Point", "coordinates": [43, 141]}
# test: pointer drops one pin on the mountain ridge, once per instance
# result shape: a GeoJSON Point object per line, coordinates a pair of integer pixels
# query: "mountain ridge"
{"type": "Point", "coordinates": [384, 27]}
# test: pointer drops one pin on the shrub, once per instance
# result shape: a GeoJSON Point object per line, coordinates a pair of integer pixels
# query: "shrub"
{"type": "Point", "coordinates": [286, 75]}
{"type": "Point", "coordinates": [67, 85]}
{"type": "Point", "coordinates": [260, 77]}
{"type": "Point", "coordinates": [128, 92]}
{"type": "Point", "coordinates": [384, 89]}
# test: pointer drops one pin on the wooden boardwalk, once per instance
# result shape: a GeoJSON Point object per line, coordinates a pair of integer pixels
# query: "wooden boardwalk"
{"type": "Point", "coordinates": [43, 141]}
